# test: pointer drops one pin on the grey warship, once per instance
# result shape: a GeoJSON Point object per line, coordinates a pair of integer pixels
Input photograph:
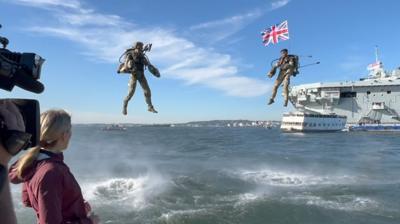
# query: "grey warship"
{"type": "Point", "coordinates": [371, 100]}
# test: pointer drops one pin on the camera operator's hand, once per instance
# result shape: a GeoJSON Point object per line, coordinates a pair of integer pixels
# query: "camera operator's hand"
{"type": "Point", "coordinates": [12, 118]}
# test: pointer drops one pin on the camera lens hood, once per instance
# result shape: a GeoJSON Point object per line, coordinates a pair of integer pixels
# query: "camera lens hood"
{"type": "Point", "coordinates": [28, 83]}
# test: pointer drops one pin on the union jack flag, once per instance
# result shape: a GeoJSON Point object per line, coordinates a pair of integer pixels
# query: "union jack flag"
{"type": "Point", "coordinates": [375, 65]}
{"type": "Point", "coordinates": [275, 33]}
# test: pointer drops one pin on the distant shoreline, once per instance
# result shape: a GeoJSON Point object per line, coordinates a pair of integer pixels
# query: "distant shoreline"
{"type": "Point", "coordinates": [210, 123]}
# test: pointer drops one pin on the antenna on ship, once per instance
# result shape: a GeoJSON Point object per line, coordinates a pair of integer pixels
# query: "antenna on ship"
{"type": "Point", "coordinates": [378, 62]}
{"type": "Point", "coordinates": [376, 54]}
{"type": "Point", "coordinates": [377, 65]}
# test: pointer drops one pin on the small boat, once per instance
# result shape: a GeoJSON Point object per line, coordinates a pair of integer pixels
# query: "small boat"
{"type": "Point", "coordinates": [114, 127]}
{"type": "Point", "coordinates": [312, 122]}
{"type": "Point", "coordinates": [374, 127]}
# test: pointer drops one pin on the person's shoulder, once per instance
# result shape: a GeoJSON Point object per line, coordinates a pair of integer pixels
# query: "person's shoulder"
{"type": "Point", "coordinates": [48, 169]}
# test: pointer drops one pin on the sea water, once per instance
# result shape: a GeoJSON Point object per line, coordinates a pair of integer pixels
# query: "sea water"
{"type": "Point", "coordinates": [234, 175]}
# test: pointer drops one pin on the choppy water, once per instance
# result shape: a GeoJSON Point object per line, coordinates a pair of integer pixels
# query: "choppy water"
{"type": "Point", "coordinates": [243, 175]}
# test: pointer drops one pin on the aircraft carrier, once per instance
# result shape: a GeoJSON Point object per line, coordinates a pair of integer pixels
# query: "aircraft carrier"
{"type": "Point", "coordinates": [371, 100]}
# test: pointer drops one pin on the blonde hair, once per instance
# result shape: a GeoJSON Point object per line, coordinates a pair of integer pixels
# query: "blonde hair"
{"type": "Point", "coordinates": [53, 124]}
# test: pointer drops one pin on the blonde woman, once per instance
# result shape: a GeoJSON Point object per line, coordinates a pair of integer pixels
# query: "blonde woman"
{"type": "Point", "coordinates": [48, 185]}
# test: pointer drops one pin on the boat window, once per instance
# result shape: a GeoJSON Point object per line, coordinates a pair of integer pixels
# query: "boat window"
{"type": "Point", "coordinates": [389, 92]}
{"type": "Point", "coordinates": [348, 94]}
{"type": "Point", "coordinates": [368, 92]}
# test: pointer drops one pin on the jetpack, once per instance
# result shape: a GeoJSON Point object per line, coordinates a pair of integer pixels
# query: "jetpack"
{"type": "Point", "coordinates": [296, 60]}
{"type": "Point", "coordinates": [124, 61]}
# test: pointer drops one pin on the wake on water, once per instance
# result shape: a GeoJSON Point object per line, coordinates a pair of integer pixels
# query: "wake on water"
{"type": "Point", "coordinates": [138, 194]}
{"type": "Point", "coordinates": [127, 193]}
{"type": "Point", "coordinates": [166, 182]}
{"type": "Point", "coordinates": [305, 188]}
{"type": "Point", "coordinates": [152, 192]}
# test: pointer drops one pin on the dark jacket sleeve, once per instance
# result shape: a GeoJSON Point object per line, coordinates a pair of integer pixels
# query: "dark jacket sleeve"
{"type": "Point", "coordinates": [50, 197]}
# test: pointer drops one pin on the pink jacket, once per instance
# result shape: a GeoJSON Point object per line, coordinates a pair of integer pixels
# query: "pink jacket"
{"type": "Point", "coordinates": [52, 191]}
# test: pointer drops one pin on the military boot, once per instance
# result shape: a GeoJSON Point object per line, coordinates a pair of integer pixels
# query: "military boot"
{"type": "Point", "coordinates": [286, 102]}
{"type": "Point", "coordinates": [151, 109]}
{"type": "Point", "coordinates": [271, 101]}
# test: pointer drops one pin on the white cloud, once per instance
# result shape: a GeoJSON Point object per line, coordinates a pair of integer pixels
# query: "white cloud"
{"type": "Point", "coordinates": [73, 4]}
{"type": "Point", "coordinates": [238, 19]}
{"type": "Point", "coordinates": [218, 30]}
{"type": "Point", "coordinates": [278, 4]}
{"type": "Point", "coordinates": [91, 18]}
{"type": "Point", "coordinates": [221, 29]}
{"type": "Point", "coordinates": [104, 37]}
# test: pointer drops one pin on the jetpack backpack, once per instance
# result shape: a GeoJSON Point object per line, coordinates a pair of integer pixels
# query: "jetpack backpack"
{"type": "Point", "coordinates": [295, 60]}
{"type": "Point", "coordinates": [124, 66]}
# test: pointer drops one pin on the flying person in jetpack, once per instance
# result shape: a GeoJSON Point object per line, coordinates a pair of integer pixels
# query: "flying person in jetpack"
{"type": "Point", "coordinates": [135, 63]}
{"type": "Point", "coordinates": [288, 66]}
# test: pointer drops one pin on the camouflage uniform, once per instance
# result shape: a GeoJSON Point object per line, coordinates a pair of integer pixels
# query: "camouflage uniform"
{"type": "Point", "coordinates": [287, 67]}
{"type": "Point", "coordinates": [137, 61]}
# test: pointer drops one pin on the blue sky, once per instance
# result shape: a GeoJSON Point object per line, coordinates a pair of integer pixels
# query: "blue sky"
{"type": "Point", "coordinates": [210, 54]}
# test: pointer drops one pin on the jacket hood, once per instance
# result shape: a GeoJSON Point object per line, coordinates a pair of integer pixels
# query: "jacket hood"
{"type": "Point", "coordinates": [29, 172]}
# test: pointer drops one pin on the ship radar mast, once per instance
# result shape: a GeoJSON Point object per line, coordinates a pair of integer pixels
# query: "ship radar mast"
{"type": "Point", "coordinates": [376, 54]}
{"type": "Point", "coordinates": [376, 68]}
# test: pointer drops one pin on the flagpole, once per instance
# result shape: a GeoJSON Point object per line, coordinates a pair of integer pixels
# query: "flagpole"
{"type": "Point", "coordinates": [289, 35]}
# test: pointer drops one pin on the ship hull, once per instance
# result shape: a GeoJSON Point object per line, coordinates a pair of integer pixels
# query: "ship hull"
{"type": "Point", "coordinates": [377, 100]}
{"type": "Point", "coordinates": [306, 122]}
